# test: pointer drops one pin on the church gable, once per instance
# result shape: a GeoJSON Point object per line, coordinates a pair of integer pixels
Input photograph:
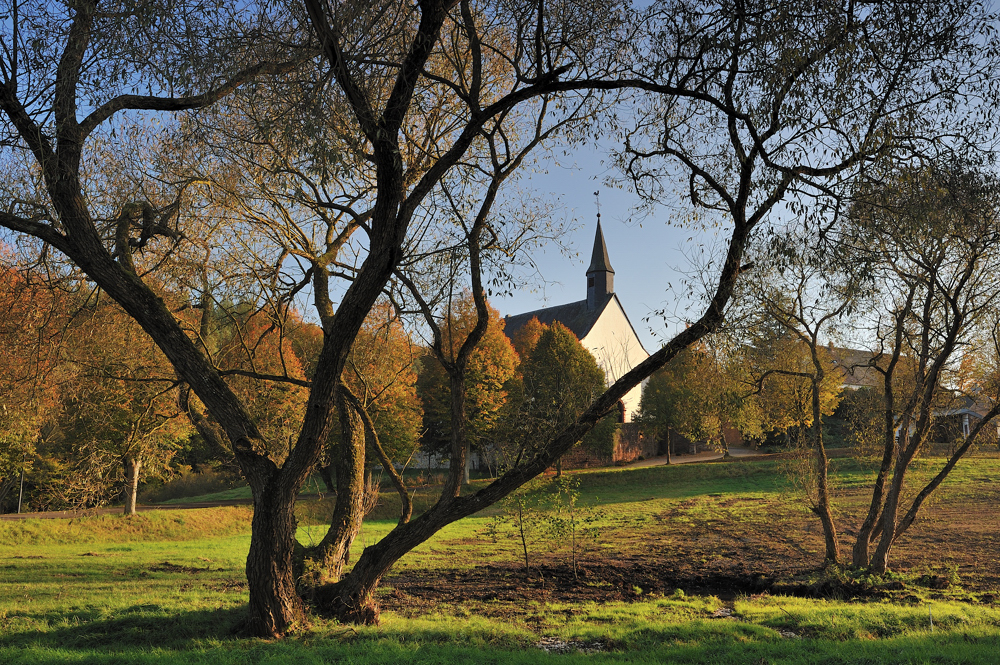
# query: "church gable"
{"type": "Point", "coordinates": [613, 341]}
{"type": "Point", "coordinates": [616, 347]}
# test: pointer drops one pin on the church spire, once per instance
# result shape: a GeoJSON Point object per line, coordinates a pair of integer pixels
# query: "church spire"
{"type": "Point", "coordinates": [600, 274]}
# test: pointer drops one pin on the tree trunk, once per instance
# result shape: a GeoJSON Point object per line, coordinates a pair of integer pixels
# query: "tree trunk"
{"type": "Point", "coordinates": [326, 474]}
{"type": "Point", "coordinates": [351, 600]}
{"type": "Point", "coordinates": [861, 556]}
{"type": "Point", "coordinates": [822, 508]}
{"type": "Point", "coordinates": [459, 438]}
{"type": "Point", "coordinates": [275, 605]}
{"type": "Point", "coordinates": [879, 563]}
{"type": "Point", "coordinates": [334, 551]}
{"type": "Point", "coordinates": [132, 468]}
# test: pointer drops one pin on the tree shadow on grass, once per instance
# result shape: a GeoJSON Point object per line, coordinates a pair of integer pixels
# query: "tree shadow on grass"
{"type": "Point", "coordinates": [133, 628]}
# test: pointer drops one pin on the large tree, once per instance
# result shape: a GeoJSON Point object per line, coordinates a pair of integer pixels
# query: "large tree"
{"type": "Point", "coordinates": [119, 414]}
{"type": "Point", "coordinates": [753, 104]}
{"type": "Point", "coordinates": [697, 395]}
{"type": "Point", "coordinates": [81, 70]}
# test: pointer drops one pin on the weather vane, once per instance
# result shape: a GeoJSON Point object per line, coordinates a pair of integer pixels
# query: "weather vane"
{"type": "Point", "coordinates": [597, 196]}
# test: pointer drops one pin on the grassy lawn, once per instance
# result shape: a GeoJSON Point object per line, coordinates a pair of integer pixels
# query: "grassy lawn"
{"type": "Point", "coordinates": [661, 550]}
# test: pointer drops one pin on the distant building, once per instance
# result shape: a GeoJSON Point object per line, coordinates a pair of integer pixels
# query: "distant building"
{"type": "Point", "coordinates": [858, 368]}
{"type": "Point", "coordinates": [600, 323]}
{"type": "Point", "coordinates": [955, 416]}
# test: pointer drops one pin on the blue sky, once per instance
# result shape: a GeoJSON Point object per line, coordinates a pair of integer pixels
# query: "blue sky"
{"type": "Point", "coordinates": [650, 257]}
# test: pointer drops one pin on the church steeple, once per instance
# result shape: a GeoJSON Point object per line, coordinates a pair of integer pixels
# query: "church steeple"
{"type": "Point", "coordinates": [600, 274]}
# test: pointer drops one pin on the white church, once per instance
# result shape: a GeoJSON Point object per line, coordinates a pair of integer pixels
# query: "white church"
{"type": "Point", "coordinates": [600, 323]}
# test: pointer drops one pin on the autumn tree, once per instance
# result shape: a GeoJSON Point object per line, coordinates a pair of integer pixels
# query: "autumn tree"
{"type": "Point", "coordinates": [803, 294]}
{"type": "Point", "coordinates": [778, 371]}
{"type": "Point", "coordinates": [491, 365]}
{"type": "Point", "coordinates": [556, 381]}
{"type": "Point", "coordinates": [259, 363]}
{"type": "Point", "coordinates": [697, 396]}
{"type": "Point", "coordinates": [32, 317]}
{"type": "Point", "coordinates": [119, 415]}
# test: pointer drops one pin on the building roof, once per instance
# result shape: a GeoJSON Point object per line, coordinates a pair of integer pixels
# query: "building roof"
{"type": "Point", "coordinates": [599, 261]}
{"type": "Point", "coordinates": [973, 405]}
{"type": "Point", "coordinates": [574, 316]}
{"type": "Point", "coordinates": [856, 368]}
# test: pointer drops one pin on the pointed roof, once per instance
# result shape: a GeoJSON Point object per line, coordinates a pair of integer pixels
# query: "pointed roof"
{"type": "Point", "coordinates": [574, 316]}
{"type": "Point", "coordinates": [599, 261]}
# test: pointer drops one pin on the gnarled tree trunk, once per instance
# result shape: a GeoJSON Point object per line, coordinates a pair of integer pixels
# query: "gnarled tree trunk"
{"type": "Point", "coordinates": [275, 605]}
{"type": "Point", "coordinates": [334, 551]}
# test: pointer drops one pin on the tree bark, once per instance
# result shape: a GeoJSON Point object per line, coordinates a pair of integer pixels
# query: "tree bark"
{"type": "Point", "coordinates": [133, 466]}
{"type": "Point", "coordinates": [459, 438]}
{"type": "Point", "coordinates": [822, 508]}
{"type": "Point", "coordinates": [373, 442]}
{"type": "Point", "coordinates": [275, 605]}
{"type": "Point", "coordinates": [334, 551]}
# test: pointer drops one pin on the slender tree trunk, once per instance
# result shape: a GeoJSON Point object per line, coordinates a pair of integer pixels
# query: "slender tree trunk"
{"type": "Point", "coordinates": [459, 437]}
{"type": "Point", "coordinates": [669, 437]}
{"type": "Point", "coordinates": [275, 605]}
{"type": "Point", "coordinates": [132, 468]}
{"type": "Point", "coordinates": [327, 475]}
{"type": "Point", "coordinates": [334, 551]}
{"type": "Point", "coordinates": [822, 508]}
{"type": "Point", "coordinates": [861, 556]}
{"type": "Point", "coordinates": [372, 441]}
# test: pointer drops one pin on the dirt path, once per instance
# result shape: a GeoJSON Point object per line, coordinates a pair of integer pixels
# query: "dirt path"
{"type": "Point", "coordinates": [704, 456]}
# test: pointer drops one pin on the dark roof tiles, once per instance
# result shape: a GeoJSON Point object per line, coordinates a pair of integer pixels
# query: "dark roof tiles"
{"type": "Point", "coordinates": [574, 316]}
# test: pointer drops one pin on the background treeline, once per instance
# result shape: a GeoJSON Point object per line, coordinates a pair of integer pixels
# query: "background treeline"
{"type": "Point", "coordinates": [92, 412]}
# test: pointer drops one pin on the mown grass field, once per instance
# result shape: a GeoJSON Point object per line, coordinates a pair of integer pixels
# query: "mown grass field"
{"type": "Point", "coordinates": [713, 563]}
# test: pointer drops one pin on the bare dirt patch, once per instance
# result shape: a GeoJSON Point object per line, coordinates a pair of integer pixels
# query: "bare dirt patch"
{"type": "Point", "coordinates": [719, 549]}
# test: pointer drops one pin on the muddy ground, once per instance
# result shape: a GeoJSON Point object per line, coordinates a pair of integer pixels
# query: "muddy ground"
{"type": "Point", "coordinates": [736, 547]}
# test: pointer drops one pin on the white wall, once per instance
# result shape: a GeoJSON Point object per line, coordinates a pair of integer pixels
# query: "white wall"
{"type": "Point", "coordinates": [617, 350]}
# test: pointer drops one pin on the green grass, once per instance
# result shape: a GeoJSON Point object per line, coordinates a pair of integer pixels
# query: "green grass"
{"type": "Point", "coordinates": [168, 587]}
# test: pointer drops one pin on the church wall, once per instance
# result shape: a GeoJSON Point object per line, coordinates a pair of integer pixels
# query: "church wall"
{"type": "Point", "coordinates": [617, 350]}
